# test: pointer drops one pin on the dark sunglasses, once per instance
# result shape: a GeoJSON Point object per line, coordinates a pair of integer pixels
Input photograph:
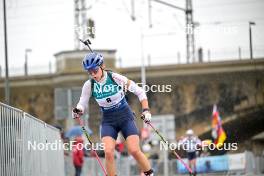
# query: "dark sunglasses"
{"type": "Point", "coordinates": [93, 71]}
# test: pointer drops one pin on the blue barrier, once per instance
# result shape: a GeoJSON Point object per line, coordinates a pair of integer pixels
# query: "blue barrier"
{"type": "Point", "coordinates": [207, 164]}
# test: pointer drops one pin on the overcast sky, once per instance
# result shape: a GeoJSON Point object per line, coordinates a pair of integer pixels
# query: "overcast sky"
{"type": "Point", "coordinates": [47, 27]}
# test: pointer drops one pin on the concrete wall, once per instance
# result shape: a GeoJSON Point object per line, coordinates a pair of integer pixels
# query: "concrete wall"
{"type": "Point", "coordinates": [37, 100]}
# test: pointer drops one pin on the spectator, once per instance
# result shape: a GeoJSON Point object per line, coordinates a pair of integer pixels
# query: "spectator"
{"type": "Point", "coordinates": [190, 143]}
{"type": "Point", "coordinates": [78, 155]}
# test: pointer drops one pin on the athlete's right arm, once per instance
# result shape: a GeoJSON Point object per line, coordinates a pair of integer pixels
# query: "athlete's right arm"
{"type": "Point", "coordinates": [84, 99]}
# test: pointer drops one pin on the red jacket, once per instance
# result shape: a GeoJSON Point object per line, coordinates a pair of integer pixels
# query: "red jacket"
{"type": "Point", "coordinates": [77, 154]}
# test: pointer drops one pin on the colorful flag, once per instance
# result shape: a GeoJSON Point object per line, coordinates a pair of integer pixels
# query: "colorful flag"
{"type": "Point", "coordinates": [218, 132]}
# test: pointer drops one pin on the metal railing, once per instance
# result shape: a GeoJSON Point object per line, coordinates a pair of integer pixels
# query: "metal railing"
{"type": "Point", "coordinates": [19, 129]}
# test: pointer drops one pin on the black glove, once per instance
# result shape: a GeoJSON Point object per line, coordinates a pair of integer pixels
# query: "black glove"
{"type": "Point", "coordinates": [76, 113]}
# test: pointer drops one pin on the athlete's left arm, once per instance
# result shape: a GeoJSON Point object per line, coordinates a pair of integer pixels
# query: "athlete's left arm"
{"type": "Point", "coordinates": [132, 87]}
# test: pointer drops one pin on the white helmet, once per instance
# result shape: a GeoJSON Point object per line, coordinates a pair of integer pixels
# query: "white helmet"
{"type": "Point", "coordinates": [189, 132]}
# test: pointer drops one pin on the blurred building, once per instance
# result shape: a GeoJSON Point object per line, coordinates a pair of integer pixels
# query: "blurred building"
{"type": "Point", "coordinates": [187, 90]}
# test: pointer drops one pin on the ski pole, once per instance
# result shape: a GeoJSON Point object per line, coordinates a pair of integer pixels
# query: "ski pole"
{"type": "Point", "coordinates": [90, 141]}
{"type": "Point", "coordinates": [162, 138]}
{"type": "Point", "coordinates": [87, 42]}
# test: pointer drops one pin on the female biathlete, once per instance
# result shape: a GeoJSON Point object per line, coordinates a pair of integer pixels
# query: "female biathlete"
{"type": "Point", "coordinates": [108, 89]}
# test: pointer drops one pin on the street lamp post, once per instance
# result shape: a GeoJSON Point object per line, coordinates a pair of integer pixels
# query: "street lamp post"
{"type": "Point", "coordinates": [26, 60]}
{"type": "Point", "coordinates": [7, 88]}
{"type": "Point", "coordinates": [143, 69]}
{"type": "Point", "coordinates": [251, 23]}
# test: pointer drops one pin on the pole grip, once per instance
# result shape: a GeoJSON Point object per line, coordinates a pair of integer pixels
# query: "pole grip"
{"type": "Point", "coordinates": [75, 110]}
